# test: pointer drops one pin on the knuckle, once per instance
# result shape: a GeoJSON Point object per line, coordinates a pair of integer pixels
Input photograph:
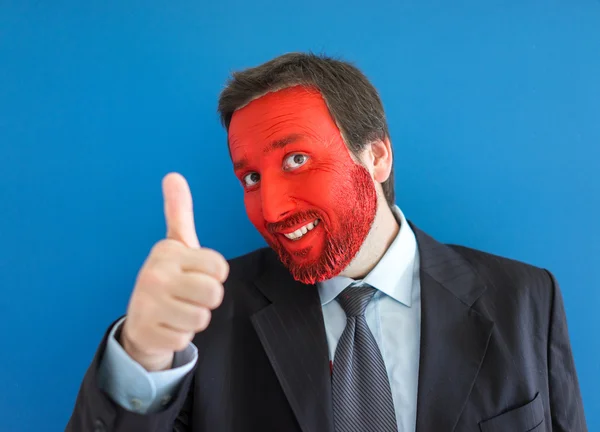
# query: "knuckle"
{"type": "Point", "coordinates": [202, 319]}
{"type": "Point", "coordinates": [181, 342]}
{"type": "Point", "coordinates": [217, 262]}
{"type": "Point", "coordinates": [158, 248]}
{"type": "Point", "coordinates": [165, 247]}
{"type": "Point", "coordinates": [215, 294]}
{"type": "Point", "coordinates": [224, 269]}
{"type": "Point", "coordinates": [154, 276]}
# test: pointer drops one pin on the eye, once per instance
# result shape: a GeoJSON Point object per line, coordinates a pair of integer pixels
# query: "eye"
{"type": "Point", "coordinates": [251, 179]}
{"type": "Point", "coordinates": [294, 161]}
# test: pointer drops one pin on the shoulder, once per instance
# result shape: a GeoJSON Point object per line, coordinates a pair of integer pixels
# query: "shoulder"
{"type": "Point", "coordinates": [511, 285]}
{"type": "Point", "coordinates": [503, 270]}
{"type": "Point", "coordinates": [249, 265]}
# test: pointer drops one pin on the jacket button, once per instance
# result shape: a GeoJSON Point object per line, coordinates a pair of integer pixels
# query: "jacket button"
{"type": "Point", "coordinates": [99, 426]}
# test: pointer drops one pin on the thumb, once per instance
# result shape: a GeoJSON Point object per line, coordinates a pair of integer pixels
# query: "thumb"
{"type": "Point", "coordinates": [179, 210]}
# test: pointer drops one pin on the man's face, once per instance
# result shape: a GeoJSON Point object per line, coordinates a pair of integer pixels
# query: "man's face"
{"type": "Point", "coordinates": [313, 204]}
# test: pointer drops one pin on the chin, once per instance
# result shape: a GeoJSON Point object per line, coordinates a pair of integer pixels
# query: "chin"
{"type": "Point", "coordinates": [309, 272]}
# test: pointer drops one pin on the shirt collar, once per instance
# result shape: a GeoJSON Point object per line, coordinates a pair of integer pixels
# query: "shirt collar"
{"type": "Point", "coordinates": [393, 274]}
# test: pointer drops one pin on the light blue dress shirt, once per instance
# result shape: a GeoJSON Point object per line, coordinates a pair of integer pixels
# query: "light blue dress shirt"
{"type": "Point", "coordinates": [393, 316]}
{"type": "Point", "coordinates": [132, 386]}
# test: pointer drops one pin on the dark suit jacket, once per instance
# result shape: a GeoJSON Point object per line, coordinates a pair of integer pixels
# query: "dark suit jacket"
{"type": "Point", "coordinates": [495, 354]}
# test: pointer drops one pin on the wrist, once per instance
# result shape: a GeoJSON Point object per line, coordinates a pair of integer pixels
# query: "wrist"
{"type": "Point", "coordinates": [150, 362]}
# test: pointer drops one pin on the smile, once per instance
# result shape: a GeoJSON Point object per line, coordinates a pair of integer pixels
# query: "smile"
{"type": "Point", "coordinates": [300, 232]}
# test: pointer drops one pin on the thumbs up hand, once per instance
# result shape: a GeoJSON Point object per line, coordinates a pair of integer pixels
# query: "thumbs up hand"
{"type": "Point", "coordinates": [176, 288]}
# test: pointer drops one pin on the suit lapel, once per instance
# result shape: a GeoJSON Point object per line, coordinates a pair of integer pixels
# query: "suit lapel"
{"type": "Point", "coordinates": [292, 332]}
{"type": "Point", "coordinates": [454, 337]}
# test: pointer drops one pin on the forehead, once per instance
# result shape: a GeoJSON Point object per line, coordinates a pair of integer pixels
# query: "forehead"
{"type": "Point", "coordinates": [275, 115]}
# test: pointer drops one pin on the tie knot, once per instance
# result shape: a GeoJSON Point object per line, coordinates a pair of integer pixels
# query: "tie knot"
{"type": "Point", "coordinates": [355, 298]}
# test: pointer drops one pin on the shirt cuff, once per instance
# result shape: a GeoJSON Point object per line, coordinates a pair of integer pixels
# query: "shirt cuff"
{"type": "Point", "coordinates": [132, 386]}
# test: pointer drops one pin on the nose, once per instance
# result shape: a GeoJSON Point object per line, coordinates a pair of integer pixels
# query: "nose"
{"type": "Point", "coordinates": [277, 202]}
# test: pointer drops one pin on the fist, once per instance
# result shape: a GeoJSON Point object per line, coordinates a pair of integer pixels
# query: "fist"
{"type": "Point", "coordinates": [176, 289]}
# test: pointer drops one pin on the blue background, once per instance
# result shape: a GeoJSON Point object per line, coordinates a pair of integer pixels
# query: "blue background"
{"type": "Point", "coordinates": [494, 112]}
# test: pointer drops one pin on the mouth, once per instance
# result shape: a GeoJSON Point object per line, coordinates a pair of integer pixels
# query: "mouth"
{"type": "Point", "coordinates": [302, 231]}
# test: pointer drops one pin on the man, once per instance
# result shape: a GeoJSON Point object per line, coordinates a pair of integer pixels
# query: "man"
{"type": "Point", "coordinates": [352, 320]}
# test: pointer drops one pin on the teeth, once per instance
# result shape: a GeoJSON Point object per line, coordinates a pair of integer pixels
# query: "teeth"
{"type": "Point", "coordinates": [301, 231]}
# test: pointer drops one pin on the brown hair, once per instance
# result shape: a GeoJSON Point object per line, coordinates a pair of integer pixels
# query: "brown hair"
{"type": "Point", "coordinates": [352, 100]}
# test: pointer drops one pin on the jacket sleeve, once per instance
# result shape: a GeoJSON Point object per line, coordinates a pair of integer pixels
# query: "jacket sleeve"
{"type": "Point", "coordinates": [133, 387]}
{"type": "Point", "coordinates": [566, 405]}
{"type": "Point", "coordinates": [95, 411]}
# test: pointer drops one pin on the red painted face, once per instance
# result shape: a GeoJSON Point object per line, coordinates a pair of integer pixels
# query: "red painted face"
{"type": "Point", "coordinates": [303, 192]}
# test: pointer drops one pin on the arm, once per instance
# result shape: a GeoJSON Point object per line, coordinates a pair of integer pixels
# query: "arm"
{"type": "Point", "coordinates": [566, 406]}
{"type": "Point", "coordinates": [133, 387]}
{"type": "Point", "coordinates": [176, 289]}
{"type": "Point", "coordinates": [96, 411]}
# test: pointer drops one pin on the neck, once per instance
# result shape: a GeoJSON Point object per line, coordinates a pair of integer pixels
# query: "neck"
{"type": "Point", "coordinates": [383, 232]}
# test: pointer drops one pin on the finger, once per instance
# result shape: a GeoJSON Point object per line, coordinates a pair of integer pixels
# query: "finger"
{"type": "Point", "coordinates": [200, 290]}
{"type": "Point", "coordinates": [165, 337]}
{"type": "Point", "coordinates": [205, 261]}
{"type": "Point", "coordinates": [179, 210]}
{"type": "Point", "coordinates": [184, 317]}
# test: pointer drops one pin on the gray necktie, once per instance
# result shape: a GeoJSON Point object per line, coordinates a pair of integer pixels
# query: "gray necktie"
{"type": "Point", "coordinates": [362, 399]}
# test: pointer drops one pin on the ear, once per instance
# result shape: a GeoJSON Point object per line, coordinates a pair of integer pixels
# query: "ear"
{"type": "Point", "coordinates": [379, 159]}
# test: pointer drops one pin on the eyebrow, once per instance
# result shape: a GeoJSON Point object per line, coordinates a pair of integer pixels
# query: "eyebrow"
{"type": "Point", "coordinates": [282, 142]}
{"type": "Point", "coordinates": [277, 144]}
{"type": "Point", "coordinates": [240, 165]}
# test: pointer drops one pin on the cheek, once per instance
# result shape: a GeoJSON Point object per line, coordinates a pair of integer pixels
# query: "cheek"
{"type": "Point", "coordinates": [318, 191]}
{"type": "Point", "coordinates": [326, 185]}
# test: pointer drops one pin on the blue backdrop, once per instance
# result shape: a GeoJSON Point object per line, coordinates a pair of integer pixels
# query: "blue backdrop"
{"type": "Point", "coordinates": [494, 109]}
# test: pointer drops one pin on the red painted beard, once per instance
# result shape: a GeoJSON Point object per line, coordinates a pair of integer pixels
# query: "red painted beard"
{"type": "Point", "coordinates": [353, 213]}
